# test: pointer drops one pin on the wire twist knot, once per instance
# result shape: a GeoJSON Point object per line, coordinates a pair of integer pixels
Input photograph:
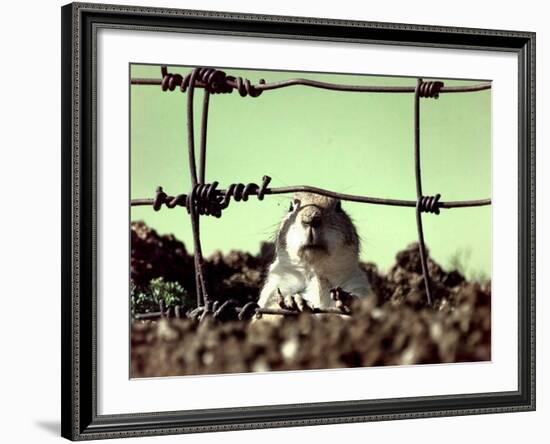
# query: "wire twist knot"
{"type": "Point", "coordinates": [207, 200]}
{"type": "Point", "coordinates": [429, 204]}
{"type": "Point", "coordinates": [214, 81]}
{"type": "Point", "coordinates": [430, 89]}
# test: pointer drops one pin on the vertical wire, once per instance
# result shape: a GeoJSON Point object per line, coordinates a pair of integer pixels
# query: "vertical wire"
{"type": "Point", "coordinates": [204, 128]}
{"type": "Point", "coordinates": [418, 177]}
{"type": "Point", "coordinates": [190, 127]}
{"type": "Point", "coordinates": [202, 297]}
{"type": "Point", "coordinates": [202, 180]}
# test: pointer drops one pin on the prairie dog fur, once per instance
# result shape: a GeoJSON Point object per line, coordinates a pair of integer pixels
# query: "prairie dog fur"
{"type": "Point", "coordinates": [317, 250]}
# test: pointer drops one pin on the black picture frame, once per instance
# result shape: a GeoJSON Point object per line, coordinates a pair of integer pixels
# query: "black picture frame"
{"type": "Point", "coordinates": [79, 396]}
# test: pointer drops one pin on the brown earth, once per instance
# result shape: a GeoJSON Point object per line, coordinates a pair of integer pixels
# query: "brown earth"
{"type": "Point", "coordinates": [401, 329]}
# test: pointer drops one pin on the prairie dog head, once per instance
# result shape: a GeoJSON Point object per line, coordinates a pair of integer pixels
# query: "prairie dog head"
{"type": "Point", "coordinates": [317, 229]}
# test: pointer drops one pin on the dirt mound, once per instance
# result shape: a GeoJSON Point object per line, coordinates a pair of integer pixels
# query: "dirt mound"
{"type": "Point", "coordinates": [386, 335]}
{"type": "Point", "coordinates": [236, 275]}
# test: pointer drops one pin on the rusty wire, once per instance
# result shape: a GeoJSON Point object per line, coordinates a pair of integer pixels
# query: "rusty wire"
{"type": "Point", "coordinates": [177, 312]}
{"type": "Point", "coordinates": [423, 89]}
{"type": "Point", "coordinates": [428, 204]}
{"type": "Point", "coordinates": [206, 199]}
{"type": "Point", "coordinates": [226, 84]}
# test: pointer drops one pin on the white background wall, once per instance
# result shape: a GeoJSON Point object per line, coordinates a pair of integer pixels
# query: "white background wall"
{"type": "Point", "coordinates": [30, 231]}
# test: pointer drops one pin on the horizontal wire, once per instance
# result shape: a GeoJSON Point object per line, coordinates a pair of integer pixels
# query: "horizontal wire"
{"type": "Point", "coordinates": [329, 86]}
{"type": "Point", "coordinates": [346, 197]}
{"type": "Point", "coordinates": [285, 312]}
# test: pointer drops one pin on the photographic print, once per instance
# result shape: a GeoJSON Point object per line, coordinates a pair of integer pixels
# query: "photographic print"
{"type": "Point", "coordinates": [303, 220]}
{"type": "Point", "coordinates": [273, 221]}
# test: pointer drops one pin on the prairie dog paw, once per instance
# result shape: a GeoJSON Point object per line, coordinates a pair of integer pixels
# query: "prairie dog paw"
{"type": "Point", "coordinates": [343, 299]}
{"type": "Point", "coordinates": [294, 302]}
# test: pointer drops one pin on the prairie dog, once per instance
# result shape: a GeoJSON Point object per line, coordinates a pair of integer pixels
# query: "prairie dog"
{"type": "Point", "coordinates": [317, 250]}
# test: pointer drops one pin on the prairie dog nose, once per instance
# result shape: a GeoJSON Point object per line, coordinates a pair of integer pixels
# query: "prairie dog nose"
{"type": "Point", "coordinates": [311, 217]}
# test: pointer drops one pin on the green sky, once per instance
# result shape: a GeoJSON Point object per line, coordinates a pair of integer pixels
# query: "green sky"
{"type": "Point", "coordinates": [357, 143]}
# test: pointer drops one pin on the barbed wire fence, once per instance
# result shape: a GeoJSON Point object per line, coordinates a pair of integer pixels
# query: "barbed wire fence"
{"type": "Point", "coordinates": [205, 199]}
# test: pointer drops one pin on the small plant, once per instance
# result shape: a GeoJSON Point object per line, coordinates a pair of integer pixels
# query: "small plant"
{"type": "Point", "coordinates": [172, 293]}
{"type": "Point", "coordinates": [460, 260]}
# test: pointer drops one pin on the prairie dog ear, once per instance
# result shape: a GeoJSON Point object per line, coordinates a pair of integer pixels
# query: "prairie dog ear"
{"type": "Point", "coordinates": [294, 203]}
{"type": "Point", "coordinates": [338, 206]}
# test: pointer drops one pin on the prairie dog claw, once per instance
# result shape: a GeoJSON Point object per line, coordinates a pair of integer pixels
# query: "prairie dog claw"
{"type": "Point", "coordinates": [294, 302]}
{"type": "Point", "coordinates": [343, 299]}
